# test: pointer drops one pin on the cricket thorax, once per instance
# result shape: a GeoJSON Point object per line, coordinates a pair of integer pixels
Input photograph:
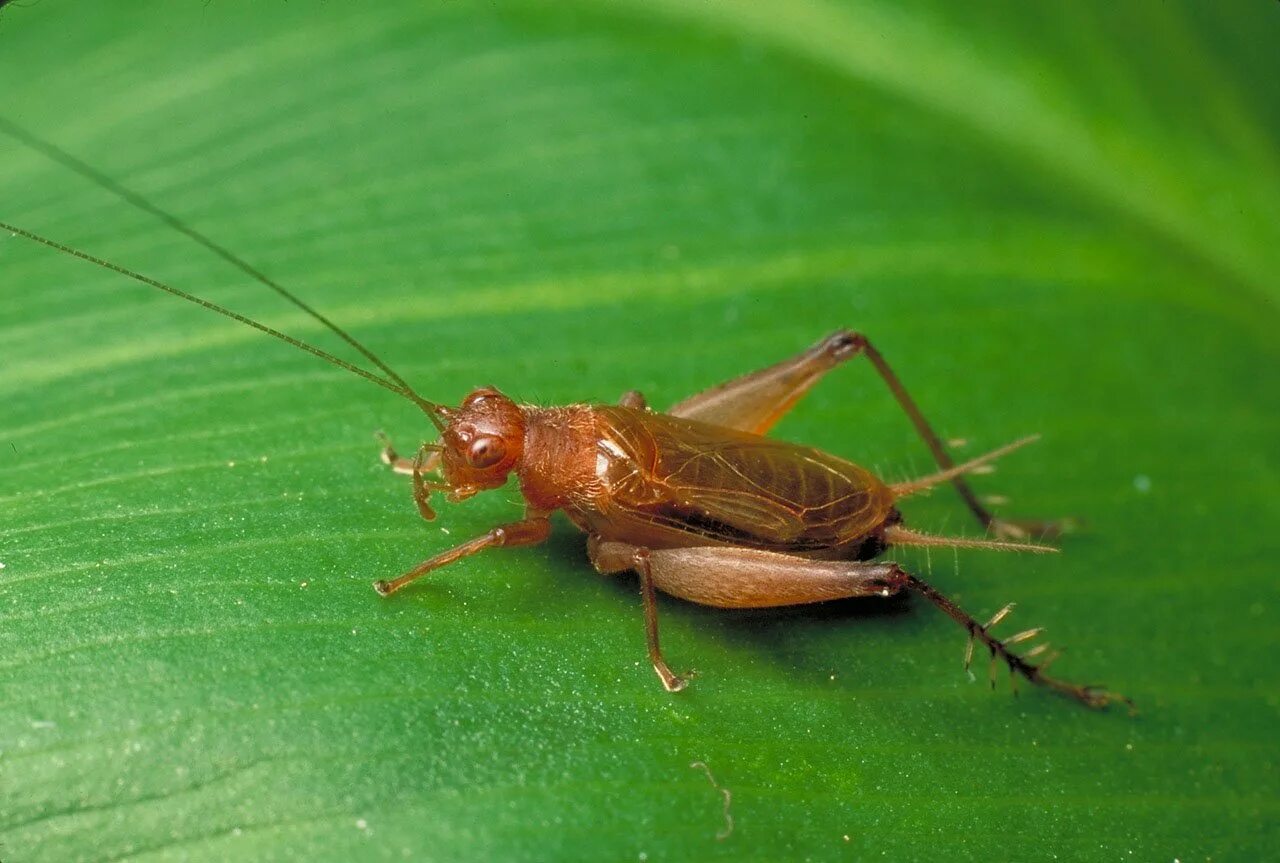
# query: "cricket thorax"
{"type": "Point", "coordinates": [559, 457]}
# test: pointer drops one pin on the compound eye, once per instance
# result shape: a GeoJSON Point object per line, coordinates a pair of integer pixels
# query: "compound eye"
{"type": "Point", "coordinates": [485, 452]}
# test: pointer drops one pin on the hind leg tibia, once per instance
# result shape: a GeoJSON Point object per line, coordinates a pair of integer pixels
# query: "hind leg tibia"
{"type": "Point", "coordinates": [1029, 662]}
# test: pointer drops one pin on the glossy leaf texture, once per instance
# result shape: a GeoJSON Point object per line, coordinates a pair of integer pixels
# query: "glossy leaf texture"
{"type": "Point", "coordinates": [1054, 218]}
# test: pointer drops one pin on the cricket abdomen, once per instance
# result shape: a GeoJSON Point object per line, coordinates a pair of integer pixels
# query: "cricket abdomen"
{"type": "Point", "coordinates": [666, 482]}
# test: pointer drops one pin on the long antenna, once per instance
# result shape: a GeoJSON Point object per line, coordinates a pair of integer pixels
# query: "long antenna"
{"type": "Point", "coordinates": [436, 413]}
{"type": "Point", "coordinates": [95, 176]}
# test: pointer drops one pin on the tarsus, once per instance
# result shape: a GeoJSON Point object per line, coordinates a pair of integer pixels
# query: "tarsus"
{"type": "Point", "coordinates": [1019, 665]}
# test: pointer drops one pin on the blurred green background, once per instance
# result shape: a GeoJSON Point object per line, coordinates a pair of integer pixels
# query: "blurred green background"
{"type": "Point", "coordinates": [1061, 218]}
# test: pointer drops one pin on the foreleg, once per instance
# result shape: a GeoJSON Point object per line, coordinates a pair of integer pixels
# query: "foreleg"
{"type": "Point", "coordinates": [531, 530]}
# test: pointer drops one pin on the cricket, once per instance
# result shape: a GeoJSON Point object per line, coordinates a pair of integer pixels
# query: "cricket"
{"type": "Point", "coordinates": [695, 500]}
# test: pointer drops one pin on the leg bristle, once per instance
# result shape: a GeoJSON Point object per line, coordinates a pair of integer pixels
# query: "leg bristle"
{"type": "Point", "coordinates": [999, 616]}
{"type": "Point", "coordinates": [1025, 635]}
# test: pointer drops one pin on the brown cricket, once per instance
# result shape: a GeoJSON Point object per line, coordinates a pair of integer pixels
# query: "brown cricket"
{"type": "Point", "coordinates": [696, 499]}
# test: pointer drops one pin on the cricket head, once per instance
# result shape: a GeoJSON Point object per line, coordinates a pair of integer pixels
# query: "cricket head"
{"type": "Point", "coordinates": [481, 442]}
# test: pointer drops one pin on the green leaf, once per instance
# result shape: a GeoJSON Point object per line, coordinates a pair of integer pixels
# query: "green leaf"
{"type": "Point", "coordinates": [1056, 218]}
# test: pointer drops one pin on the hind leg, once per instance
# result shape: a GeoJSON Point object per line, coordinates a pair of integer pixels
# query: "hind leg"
{"type": "Point", "coordinates": [731, 578]}
{"type": "Point", "coordinates": [747, 578]}
{"type": "Point", "coordinates": [756, 401]}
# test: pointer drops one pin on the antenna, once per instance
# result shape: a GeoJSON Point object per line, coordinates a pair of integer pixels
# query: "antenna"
{"type": "Point", "coordinates": [436, 413]}
{"type": "Point", "coordinates": [90, 173]}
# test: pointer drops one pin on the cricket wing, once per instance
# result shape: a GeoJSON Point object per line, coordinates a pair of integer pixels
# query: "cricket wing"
{"type": "Point", "coordinates": [709, 483]}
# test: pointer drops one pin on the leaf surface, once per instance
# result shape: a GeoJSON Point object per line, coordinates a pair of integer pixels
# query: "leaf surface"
{"type": "Point", "coordinates": [1063, 220]}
